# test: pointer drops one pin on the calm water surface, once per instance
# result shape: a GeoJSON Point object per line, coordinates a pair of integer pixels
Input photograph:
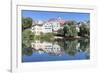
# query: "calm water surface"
{"type": "Point", "coordinates": [58, 50]}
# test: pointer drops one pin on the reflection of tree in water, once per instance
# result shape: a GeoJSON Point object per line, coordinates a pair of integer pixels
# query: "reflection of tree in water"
{"type": "Point", "coordinates": [84, 44]}
{"type": "Point", "coordinates": [72, 47]}
{"type": "Point", "coordinates": [85, 47]}
{"type": "Point", "coordinates": [27, 51]}
{"type": "Point", "coordinates": [69, 46]}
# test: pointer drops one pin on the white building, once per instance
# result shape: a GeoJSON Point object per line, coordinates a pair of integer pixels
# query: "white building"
{"type": "Point", "coordinates": [47, 27]}
{"type": "Point", "coordinates": [41, 27]}
{"type": "Point", "coordinates": [37, 27]}
{"type": "Point", "coordinates": [51, 26]}
{"type": "Point", "coordinates": [55, 24]}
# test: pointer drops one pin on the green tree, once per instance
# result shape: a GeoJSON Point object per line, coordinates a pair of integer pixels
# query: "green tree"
{"type": "Point", "coordinates": [48, 37]}
{"type": "Point", "coordinates": [70, 29]}
{"type": "Point", "coordinates": [60, 32]}
{"type": "Point", "coordinates": [27, 38]}
{"type": "Point", "coordinates": [73, 31]}
{"type": "Point", "coordinates": [85, 30]}
{"type": "Point", "coordinates": [45, 37]}
{"type": "Point", "coordinates": [66, 29]}
{"type": "Point", "coordinates": [26, 22]}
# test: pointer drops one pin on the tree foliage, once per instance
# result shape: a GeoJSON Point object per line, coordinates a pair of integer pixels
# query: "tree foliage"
{"type": "Point", "coordinates": [84, 30]}
{"type": "Point", "coordinates": [27, 38]}
{"type": "Point", "coordinates": [60, 32]}
{"type": "Point", "coordinates": [70, 29]}
{"type": "Point", "coordinates": [26, 22]}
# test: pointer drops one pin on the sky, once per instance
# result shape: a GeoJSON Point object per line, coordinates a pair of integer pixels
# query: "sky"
{"type": "Point", "coordinates": [46, 15]}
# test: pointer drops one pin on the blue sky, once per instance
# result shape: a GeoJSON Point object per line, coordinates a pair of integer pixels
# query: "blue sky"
{"type": "Point", "coordinates": [46, 15]}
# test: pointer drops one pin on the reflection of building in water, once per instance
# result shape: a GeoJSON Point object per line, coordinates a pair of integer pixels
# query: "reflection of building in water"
{"type": "Point", "coordinates": [49, 48]}
{"type": "Point", "coordinates": [55, 50]}
{"type": "Point", "coordinates": [37, 45]}
{"type": "Point", "coordinates": [78, 47]}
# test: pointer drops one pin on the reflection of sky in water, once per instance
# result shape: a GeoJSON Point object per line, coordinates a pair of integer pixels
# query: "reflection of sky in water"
{"type": "Point", "coordinates": [36, 57]}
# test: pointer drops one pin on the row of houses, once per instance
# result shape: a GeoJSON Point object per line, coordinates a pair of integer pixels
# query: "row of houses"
{"type": "Point", "coordinates": [52, 25]}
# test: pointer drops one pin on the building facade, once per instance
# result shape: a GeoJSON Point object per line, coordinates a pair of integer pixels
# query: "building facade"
{"type": "Point", "coordinates": [45, 27]}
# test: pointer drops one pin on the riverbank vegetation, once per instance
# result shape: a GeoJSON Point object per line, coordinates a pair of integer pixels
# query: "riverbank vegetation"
{"type": "Point", "coordinates": [72, 30]}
